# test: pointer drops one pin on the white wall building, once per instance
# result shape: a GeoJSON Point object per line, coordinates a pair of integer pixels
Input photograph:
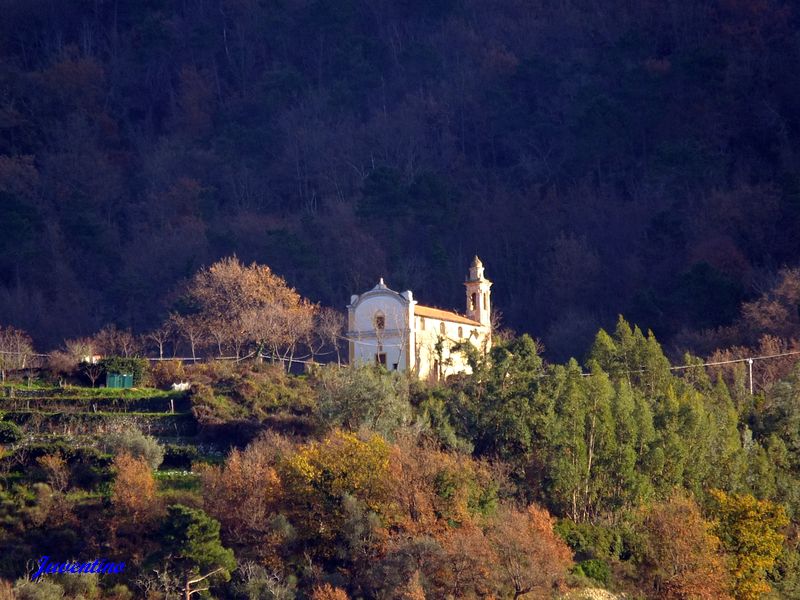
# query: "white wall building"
{"type": "Point", "coordinates": [392, 329]}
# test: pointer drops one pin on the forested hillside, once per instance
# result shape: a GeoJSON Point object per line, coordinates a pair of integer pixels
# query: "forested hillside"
{"type": "Point", "coordinates": [602, 157]}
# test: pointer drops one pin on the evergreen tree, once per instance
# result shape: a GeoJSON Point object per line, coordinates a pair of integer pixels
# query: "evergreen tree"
{"type": "Point", "coordinates": [629, 485]}
{"type": "Point", "coordinates": [568, 462]}
{"type": "Point", "coordinates": [191, 544]}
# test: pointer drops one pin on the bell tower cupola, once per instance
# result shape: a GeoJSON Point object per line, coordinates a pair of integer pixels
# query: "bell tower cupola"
{"type": "Point", "coordinates": [479, 303]}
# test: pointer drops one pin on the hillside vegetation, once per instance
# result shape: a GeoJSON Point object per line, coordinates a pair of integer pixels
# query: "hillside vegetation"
{"type": "Point", "coordinates": [521, 480]}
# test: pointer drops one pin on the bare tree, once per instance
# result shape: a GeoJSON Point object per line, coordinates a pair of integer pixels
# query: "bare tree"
{"type": "Point", "coordinates": [61, 364]}
{"type": "Point", "coordinates": [117, 342]}
{"type": "Point", "coordinates": [16, 350]}
{"type": "Point", "coordinates": [93, 370]}
{"type": "Point", "coordinates": [498, 332]}
{"type": "Point", "coordinates": [281, 328]}
{"type": "Point", "coordinates": [329, 328]}
{"type": "Point", "coordinates": [192, 330]}
{"type": "Point", "coordinates": [80, 349]}
{"type": "Point", "coordinates": [55, 467]}
{"type": "Point", "coordinates": [161, 335]}
{"type": "Point", "coordinates": [83, 353]}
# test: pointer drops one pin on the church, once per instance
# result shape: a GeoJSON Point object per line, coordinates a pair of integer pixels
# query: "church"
{"type": "Point", "coordinates": [390, 328]}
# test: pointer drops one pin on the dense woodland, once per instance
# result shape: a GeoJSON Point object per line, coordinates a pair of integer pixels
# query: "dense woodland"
{"type": "Point", "coordinates": [601, 157]}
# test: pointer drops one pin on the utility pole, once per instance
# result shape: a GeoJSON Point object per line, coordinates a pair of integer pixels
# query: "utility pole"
{"type": "Point", "coordinates": [750, 363]}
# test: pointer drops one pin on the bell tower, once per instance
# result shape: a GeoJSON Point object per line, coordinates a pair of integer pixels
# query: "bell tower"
{"type": "Point", "coordinates": [479, 304]}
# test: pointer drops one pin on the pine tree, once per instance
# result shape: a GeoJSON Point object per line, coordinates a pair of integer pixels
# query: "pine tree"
{"type": "Point", "coordinates": [191, 544]}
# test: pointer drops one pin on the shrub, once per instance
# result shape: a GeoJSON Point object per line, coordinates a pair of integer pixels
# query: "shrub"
{"type": "Point", "coordinates": [137, 444]}
{"type": "Point", "coordinates": [268, 389]}
{"type": "Point", "coordinates": [166, 372]}
{"type": "Point", "coordinates": [9, 432]}
{"type": "Point", "coordinates": [260, 583]}
{"type": "Point", "coordinates": [365, 396]}
{"type": "Point", "coordinates": [37, 590]}
{"type": "Point", "coordinates": [90, 467]}
{"type": "Point", "coordinates": [138, 367]}
{"type": "Point", "coordinates": [328, 592]}
{"type": "Point", "coordinates": [84, 587]}
{"type": "Point", "coordinates": [180, 457]}
{"type": "Point", "coordinates": [590, 541]}
{"type": "Point", "coordinates": [119, 592]}
{"type": "Point", "coordinates": [209, 408]}
{"type": "Point", "coordinates": [27, 454]}
{"type": "Point", "coordinates": [595, 569]}
{"type": "Point", "coordinates": [188, 498]}
{"type": "Point", "coordinates": [212, 372]}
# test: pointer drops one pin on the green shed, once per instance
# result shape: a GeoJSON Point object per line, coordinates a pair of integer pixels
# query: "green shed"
{"type": "Point", "coordinates": [119, 380]}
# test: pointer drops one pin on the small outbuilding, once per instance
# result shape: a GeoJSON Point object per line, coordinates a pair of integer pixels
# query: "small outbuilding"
{"type": "Point", "coordinates": [119, 380]}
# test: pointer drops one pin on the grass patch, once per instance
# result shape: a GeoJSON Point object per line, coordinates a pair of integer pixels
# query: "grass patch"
{"type": "Point", "coordinates": [99, 414]}
{"type": "Point", "coordinates": [82, 496]}
{"type": "Point", "coordinates": [74, 391]}
{"type": "Point", "coordinates": [174, 480]}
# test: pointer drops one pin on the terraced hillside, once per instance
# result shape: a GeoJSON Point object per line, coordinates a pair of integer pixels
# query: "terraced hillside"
{"type": "Point", "coordinates": [43, 411]}
{"type": "Point", "coordinates": [81, 418]}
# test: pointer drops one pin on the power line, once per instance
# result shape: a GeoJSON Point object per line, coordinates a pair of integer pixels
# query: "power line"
{"type": "Point", "coordinates": [735, 360]}
{"type": "Point", "coordinates": [748, 359]}
{"type": "Point", "coordinates": [402, 345]}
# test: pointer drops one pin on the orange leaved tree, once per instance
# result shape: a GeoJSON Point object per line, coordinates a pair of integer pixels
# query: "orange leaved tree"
{"type": "Point", "coordinates": [681, 555]}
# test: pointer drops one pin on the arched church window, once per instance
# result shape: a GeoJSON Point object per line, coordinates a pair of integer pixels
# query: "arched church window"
{"type": "Point", "coordinates": [460, 332]}
{"type": "Point", "coordinates": [473, 300]}
{"type": "Point", "coordinates": [441, 328]}
{"type": "Point", "coordinates": [380, 321]}
{"type": "Point", "coordinates": [422, 323]}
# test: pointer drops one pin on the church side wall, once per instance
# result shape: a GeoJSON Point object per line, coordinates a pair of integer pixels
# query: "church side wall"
{"type": "Point", "coordinates": [429, 332]}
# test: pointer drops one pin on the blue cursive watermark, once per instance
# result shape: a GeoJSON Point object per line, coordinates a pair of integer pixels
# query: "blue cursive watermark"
{"type": "Point", "coordinates": [98, 566]}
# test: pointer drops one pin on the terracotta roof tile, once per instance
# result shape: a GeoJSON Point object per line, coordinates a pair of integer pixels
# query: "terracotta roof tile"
{"type": "Point", "coordinates": [443, 315]}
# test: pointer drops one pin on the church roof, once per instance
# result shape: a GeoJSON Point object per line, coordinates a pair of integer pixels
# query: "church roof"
{"type": "Point", "coordinates": [443, 315]}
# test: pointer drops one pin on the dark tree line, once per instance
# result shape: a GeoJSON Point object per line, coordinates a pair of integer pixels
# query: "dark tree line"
{"type": "Point", "coordinates": [602, 157]}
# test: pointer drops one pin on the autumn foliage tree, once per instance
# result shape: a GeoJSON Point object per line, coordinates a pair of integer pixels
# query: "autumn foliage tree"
{"type": "Point", "coordinates": [436, 490]}
{"type": "Point", "coordinates": [751, 534]}
{"type": "Point", "coordinates": [681, 555]}
{"type": "Point", "coordinates": [320, 475]}
{"type": "Point", "coordinates": [466, 567]}
{"type": "Point", "coordinates": [251, 308]}
{"type": "Point", "coordinates": [328, 592]}
{"type": "Point", "coordinates": [134, 493]}
{"type": "Point", "coordinates": [249, 482]}
{"type": "Point", "coordinates": [530, 557]}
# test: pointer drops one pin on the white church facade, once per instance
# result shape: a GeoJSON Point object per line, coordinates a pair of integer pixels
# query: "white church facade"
{"type": "Point", "coordinates": [391, 329]}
